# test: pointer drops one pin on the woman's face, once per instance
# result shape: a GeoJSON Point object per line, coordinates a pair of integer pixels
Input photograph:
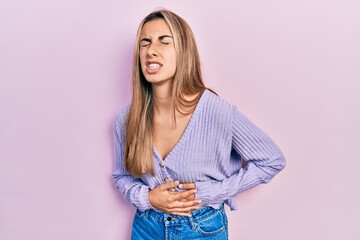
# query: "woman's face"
{"type": "Point", "coordinates": [157, 52]}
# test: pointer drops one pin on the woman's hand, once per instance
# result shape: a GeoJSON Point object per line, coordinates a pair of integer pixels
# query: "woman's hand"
{"type": "Point", "coordinates": [177, 203]}
{"type": "Point", "coordinates": [188, 186]}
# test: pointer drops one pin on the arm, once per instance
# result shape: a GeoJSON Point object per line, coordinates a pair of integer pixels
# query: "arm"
{"type": "Point", "coordinates": [133, 189]}
{"type": "Point", "coordinates": [136, 192]}
{"type": "Point", "coordinates": [264, 158]}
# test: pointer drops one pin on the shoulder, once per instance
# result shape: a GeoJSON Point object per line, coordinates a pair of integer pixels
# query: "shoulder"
{"type": "Point", "coordinates": [215, 110]}
{"type": "Point", "coordinates": [217, 105]}
{"type": "Point", "coordinates": [120, 116]}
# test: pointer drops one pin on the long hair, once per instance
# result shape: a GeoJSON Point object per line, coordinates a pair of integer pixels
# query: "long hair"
{"type": "Point", "coordinates": [138, 155]}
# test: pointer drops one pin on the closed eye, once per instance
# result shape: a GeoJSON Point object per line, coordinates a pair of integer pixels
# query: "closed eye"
{"type": "Point", "coordinates": [145, 42]}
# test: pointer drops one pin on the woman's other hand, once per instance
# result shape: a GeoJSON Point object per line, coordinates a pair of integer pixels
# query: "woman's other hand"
{"type": "Point", "coordinates": [177, 203]}
{"type": "Point", "coordinates": [188, 186]}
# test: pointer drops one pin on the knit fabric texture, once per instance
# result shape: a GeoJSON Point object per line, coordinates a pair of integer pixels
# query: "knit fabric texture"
{"type": "Point", "coordinates": [210, 153]}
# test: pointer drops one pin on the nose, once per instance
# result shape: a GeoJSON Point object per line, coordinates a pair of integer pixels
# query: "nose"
{"type": "Point", "coordinates": [152, 51]}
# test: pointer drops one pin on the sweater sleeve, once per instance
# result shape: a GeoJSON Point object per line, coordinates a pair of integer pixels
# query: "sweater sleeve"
{"type": "Point", "coordinates": [264, 158]}
{"type": "Point", "coordinates": [133, 189]}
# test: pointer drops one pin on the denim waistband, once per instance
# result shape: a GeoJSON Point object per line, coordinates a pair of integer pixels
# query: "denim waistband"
{"type": "Point", "coordinates": [197, 215]}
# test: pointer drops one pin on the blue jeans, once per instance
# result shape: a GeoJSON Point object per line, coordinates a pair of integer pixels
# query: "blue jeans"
{"type": "Point", "coordinates": [205, 223]}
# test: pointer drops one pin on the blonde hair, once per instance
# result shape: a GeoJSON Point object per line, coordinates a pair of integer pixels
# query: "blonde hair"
{"type": "Point", "coordinates": [138, 155]}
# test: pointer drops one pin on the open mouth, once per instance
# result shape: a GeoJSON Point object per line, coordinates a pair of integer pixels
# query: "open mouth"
{"type": "Point", "coordinates": [153, 67]}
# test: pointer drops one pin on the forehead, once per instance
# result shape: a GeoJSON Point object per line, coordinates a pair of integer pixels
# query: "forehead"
{"type": "Point", "coordinates": [155, 28]}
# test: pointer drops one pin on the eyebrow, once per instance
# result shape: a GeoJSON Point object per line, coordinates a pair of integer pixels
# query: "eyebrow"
{"type": "Point", "coordinates": [164, 36]}
{"type": "Point", "coordinates": [160, 38]}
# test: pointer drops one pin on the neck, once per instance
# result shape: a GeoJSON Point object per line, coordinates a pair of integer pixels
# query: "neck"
{"type": "Point", "coordinates": [162, 96]}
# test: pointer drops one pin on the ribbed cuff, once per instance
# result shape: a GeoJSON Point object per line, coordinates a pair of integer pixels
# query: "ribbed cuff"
{"type": "Point", "coordinates": [144, 203]}
{"type": "Point", "coordinates": [204, 192]}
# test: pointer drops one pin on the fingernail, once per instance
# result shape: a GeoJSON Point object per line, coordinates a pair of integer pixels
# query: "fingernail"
{"type": "Point", "coordinates": [199, 201]}
{"type": "Point", "coordinates": [180, 186]}
{"type": "Point", "coordinates": [177, 182]}
{"type": "Point", "coordinates": [195, 191]}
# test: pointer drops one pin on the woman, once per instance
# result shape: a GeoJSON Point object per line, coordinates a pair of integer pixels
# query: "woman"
{"type": "Point", "coordinates": [179, 148]}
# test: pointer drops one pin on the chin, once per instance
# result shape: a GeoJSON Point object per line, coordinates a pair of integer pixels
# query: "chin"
{"type": "Point", "coordinates": [154, 79]}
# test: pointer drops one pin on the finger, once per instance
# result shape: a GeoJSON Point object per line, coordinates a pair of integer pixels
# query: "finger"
{"type": "Point", "coordinates": [187, 204]}
{"type": "Point", "coordinates": [192, 197]}
{"type": "Point", "coordinates": [183, 195]}
{"type": "Point", "coordinates": [185, 210]}
{"type": "Point", "coordinates": [187, 186]}
{"type": "Point", "coordinates": [169, 185]}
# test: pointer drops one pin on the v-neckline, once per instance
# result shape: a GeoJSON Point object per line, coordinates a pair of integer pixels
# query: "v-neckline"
{"type": "Point", "coordinates": [186, 130]}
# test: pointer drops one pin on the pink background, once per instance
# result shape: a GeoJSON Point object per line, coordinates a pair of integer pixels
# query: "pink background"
{"type": "Point", "coordinates": [293, 67]}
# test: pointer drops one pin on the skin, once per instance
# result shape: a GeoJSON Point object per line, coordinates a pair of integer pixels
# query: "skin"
{"type": "Point", "coordinates": [157, 46]}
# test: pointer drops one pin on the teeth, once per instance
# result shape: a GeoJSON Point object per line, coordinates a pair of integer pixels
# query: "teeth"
{"type": "Point", "coordinates": [154, 65]}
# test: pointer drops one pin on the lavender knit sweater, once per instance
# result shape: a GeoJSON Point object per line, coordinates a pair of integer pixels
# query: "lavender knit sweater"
{"type": "Point", "coordinates": [209, 153]}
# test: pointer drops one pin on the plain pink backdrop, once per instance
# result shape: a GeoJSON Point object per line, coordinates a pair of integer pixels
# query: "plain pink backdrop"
{"type": "Point", "coordinates": [293, 67]}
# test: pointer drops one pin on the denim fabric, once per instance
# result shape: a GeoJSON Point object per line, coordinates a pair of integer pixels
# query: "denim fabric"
{"type": "Point", "coordinates": [205, 223]}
